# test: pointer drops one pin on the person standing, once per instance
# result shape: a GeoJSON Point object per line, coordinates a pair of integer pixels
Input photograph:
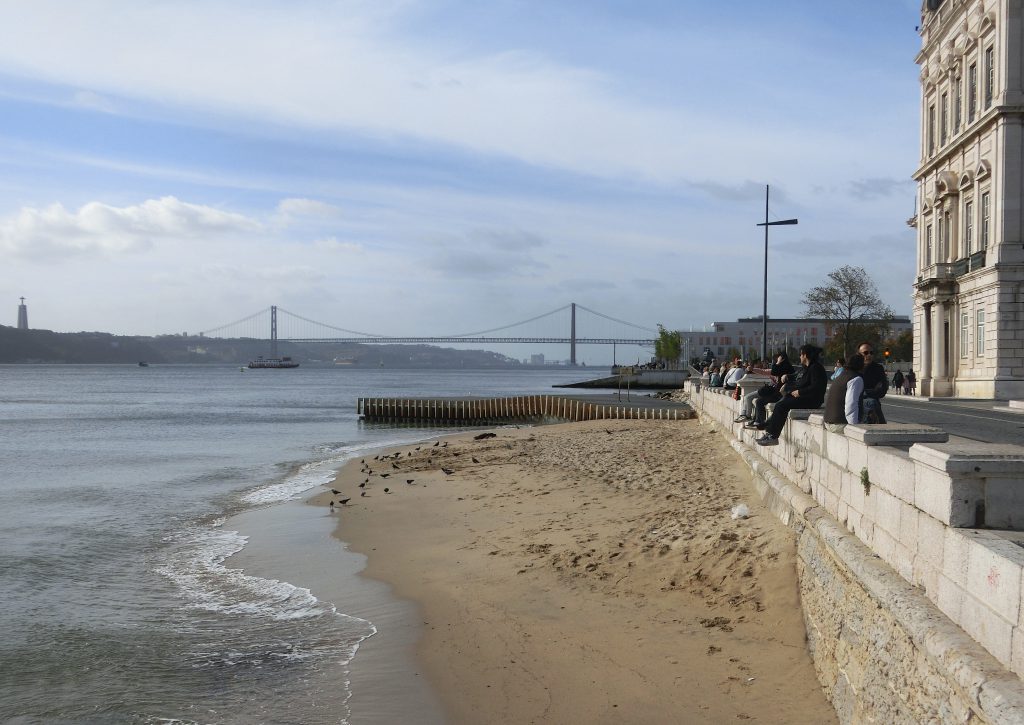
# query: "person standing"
{"type": "Point", "coordinates": [911, 383]}
{"type": "Point", "coordinates": [809, 392]}
{"type": "Point", "coordinates": [876, 384]}
{"type": "Point", "coordinates": [897, 381]}
{"type": "Point", "coordinates": [842, 401]}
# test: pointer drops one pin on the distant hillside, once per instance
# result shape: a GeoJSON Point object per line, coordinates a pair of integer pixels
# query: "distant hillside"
{"type": "Point", "coordinates": [45, 346]}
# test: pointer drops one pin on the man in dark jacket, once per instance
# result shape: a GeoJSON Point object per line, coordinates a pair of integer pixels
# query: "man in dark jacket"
{"type": "Point", "coordinates": [876, 384]}
{"type": "Point", "coordinates": [808, 393]}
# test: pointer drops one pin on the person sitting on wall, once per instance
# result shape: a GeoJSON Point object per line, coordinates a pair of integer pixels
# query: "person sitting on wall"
{"type": "Point", "coordinates": [842, 401]}
{"type": "Point", "coordinates": [735, 375]}
{"type": "Point", "coordinates": [753, 409]}
{"type": "Point", "coordinates": [876, 384]}
{"type": "Point", "coordinates": [716, 377]}
{"type": "Point", "coordinates": [809, 392]}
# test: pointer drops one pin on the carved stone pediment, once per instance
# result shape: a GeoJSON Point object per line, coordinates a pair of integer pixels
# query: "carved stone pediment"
{"type": "Point", "coordinates": [946, 183]}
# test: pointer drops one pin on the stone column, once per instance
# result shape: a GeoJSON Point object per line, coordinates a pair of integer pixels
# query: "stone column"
{"type": "Point", "coordinates": [926, 345]}
{"type": "Point", "coordinates": [938, 352]}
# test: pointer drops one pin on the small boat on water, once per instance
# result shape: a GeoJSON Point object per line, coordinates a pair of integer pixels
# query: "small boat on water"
{"type": "Point", "coordinates": [143, 364]}
{"type": "Point", "coordinates": [272, 362]}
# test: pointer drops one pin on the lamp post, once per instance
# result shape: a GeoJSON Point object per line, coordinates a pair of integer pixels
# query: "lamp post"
{"type": "Point", "coordinates": [764, 312]}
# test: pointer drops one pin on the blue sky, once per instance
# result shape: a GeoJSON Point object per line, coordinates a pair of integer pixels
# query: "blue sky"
{"type": "Point", "coordinates": [436, 166]}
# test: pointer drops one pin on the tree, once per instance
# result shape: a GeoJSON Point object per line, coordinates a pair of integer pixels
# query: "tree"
{"type": "Point", "coordinates": [669, 345]}
{"type": "Point", "coordinates": [850, 301]}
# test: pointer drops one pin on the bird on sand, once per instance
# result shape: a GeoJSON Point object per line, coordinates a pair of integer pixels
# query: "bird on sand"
{"type": "Point", "coordinates": [448, 471]}
{"type": "Point", "coordinates": [387, 490]}
{"type": "Point", "coordinates": [336, 492]}
{"type": "Point", "coordinates": [384, 475]}
{"type": "Point", "coordinates": [332, 507]}
{"type": "Point", "coordinates": [363, 493]}
{"type": "Point", "coordinates": [475, 460]}
{"type": "Point", "coordinates": [394, 465]}
{"type": "Point", "coordinates": [437, 444]}
{"type": "Point", "coordinates": [344, 501]}
{"type": "Point", "coordinates": [362, 485]}
{"type": "Point", "coordinates": [410, 480]}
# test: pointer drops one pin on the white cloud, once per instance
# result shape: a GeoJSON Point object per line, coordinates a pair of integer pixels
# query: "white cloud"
{"type": "Point", "coordinates": [332, 244]}
{"type": "Point", "coordinates": [98, 228]}
{"type": "Point", "coordinates": [289, 208]}
{"type": "Point", "coordinates": [347, 66]}
{"type": "Point", "coordinates": [93, 101]}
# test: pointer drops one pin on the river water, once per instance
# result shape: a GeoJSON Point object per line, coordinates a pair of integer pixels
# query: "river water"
{"type": "Point", "coordinates": [117, 488]}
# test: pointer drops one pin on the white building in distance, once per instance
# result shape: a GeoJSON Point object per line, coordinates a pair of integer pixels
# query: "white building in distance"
{"type": "Point", "coordinates": [744, 336]}
{"type": "Point", "coordinates": [969, 288]}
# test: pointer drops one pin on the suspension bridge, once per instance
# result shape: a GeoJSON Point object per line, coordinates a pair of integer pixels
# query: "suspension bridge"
{"type": "Point", "coordinates": [571, 324]}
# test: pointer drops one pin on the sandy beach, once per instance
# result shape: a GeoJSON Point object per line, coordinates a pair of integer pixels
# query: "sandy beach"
{"type": "Point", "coordinates": [588, 573]}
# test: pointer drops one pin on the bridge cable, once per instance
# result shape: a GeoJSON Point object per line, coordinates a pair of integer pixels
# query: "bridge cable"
{"type": "Point", "coordinates": [329, 327]}
{"type": "Point", "coordinates": [236, 322]}
{"type": "Point", "coordinates": [514, 324]}
{"type": "Point", "coordinates": [613, 319]}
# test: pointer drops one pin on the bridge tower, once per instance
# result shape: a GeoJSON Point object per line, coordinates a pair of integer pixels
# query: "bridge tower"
{"type": "Point", "coordinates": [572, 337]}
{"type": "Point", "coordinates": [273, 331]}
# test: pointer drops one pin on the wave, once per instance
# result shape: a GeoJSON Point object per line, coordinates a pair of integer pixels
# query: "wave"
{"type": "Point", "coordinates": [320, 472]}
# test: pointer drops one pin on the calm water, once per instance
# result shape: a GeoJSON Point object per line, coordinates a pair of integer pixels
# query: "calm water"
{"type": "Point", "coordinates": [115, 483]}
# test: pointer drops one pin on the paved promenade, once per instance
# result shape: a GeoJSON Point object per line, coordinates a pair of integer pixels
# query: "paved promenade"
{"type": "Point", "coordinates": [977, 420]}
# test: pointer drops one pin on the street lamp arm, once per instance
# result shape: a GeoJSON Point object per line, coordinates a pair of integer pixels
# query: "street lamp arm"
{"type": "Point", "coordinates": [778, 223]}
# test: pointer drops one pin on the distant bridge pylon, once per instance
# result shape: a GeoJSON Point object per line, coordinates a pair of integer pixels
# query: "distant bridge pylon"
{"type": "Point", "coordinates": [547, 328]}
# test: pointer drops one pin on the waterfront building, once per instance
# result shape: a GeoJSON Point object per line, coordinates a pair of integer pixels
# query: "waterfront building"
{"type": "Point", "coordinates": [969, 286]}
{"type": "Point", "coordinates": [22, 315]}
{"type": "Point", "coordinates": [744, 335]}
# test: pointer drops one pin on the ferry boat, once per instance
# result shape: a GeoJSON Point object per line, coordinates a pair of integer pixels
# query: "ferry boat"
{"type": "Point", "coordinates": [272, 362]}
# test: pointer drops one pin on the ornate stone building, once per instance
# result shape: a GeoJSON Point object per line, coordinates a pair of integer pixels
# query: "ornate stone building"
{"type": "Point", "coordinates": [969, 288]}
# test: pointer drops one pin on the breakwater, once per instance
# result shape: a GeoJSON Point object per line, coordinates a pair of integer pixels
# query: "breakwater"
{"type": "Point", "coordinates": [520, 408]}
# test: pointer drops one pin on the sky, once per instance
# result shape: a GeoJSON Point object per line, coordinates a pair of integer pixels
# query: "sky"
{"type": "Point", "coordinates": [435, 167]}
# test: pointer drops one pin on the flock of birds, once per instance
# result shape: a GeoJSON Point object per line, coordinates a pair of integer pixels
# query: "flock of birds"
{"type": "Point", "coordinates": [366, 469]}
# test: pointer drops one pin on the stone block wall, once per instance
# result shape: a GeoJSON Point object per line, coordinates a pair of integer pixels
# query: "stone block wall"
{"type": "Point", "coordinates": [911, 615]}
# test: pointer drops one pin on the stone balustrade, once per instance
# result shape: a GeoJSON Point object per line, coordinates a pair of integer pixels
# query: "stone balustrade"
{"type": "Point", "coordinates": [946, 517]}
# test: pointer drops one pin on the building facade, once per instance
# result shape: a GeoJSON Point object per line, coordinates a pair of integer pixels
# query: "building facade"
{"type": "Point", "coordinates": [968, 295]}
{"type": "Point", "coordinates": [744, 336]}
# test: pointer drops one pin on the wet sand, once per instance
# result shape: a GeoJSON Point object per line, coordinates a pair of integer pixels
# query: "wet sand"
{"type": "Point", "coordinates": [588, 573]}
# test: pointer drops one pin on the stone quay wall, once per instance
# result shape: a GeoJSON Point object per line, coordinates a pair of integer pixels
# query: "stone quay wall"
{"type": "Point", "coordinates": [913, 610]}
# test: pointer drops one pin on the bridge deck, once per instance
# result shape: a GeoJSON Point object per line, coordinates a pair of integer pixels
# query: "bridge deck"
{"type": "Point", "coordinates": [526, 408]}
